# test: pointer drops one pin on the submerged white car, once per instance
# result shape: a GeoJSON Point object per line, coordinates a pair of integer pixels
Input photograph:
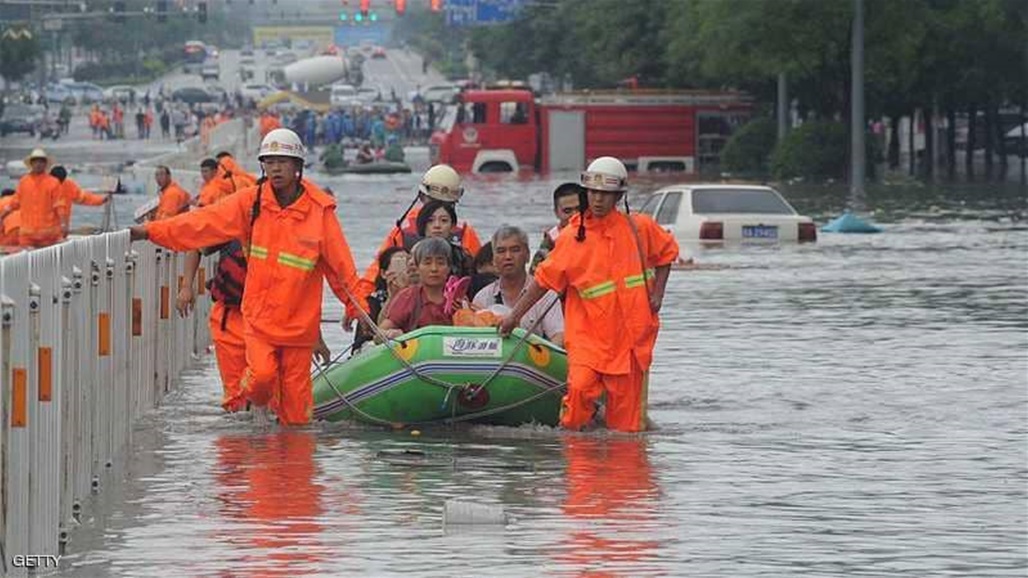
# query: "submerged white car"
{"type": "Point", "coordinates": [717, 213]}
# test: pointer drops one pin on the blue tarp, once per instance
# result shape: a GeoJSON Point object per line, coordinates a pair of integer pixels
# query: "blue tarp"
{"type": "Point", "coordinates": [850, 223]}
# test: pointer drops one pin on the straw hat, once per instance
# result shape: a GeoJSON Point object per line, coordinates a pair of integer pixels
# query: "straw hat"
{"type": "Point", "coordinates": [38, 153]}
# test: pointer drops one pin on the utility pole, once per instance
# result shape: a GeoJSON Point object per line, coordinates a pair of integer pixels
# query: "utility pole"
{"type": "Point", "coordinates": [783, 107]}
{"type": "Point", "coordinates": [857, 121]}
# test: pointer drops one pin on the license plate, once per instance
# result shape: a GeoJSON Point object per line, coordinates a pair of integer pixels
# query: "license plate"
{"type": "Point", "coordinates": [759, 232]}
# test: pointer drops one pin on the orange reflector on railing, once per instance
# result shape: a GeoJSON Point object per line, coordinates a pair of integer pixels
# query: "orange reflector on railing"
{"type": "Point", "coordinates": [46, 374]}
{"type": "Point", "coordinates": [137, 316]}
{"type": "Point", "coordinates": [104, 335]}
{"type": "Point", "coordinates": [165, 302]}
{"type": "Point", "coordinates": [19, 401]}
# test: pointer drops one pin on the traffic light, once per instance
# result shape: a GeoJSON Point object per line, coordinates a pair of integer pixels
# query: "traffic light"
{"type": "Point", "coordinates": [343, 17]}
{"type": "Point", "coordinates": [365, 6]}
{"type": "Point", "coordinates": [162, 10]}
{"type": "Point", "coordinates": [373, 17]}
{"type": "Point", "coordinates": [436, 5]}
{"type": "Point", "coordinates": [401, 6]}
{"type": "Point", "coordinates": [201, 12]}
{"type": "Point", "coordinates": [358, 17]}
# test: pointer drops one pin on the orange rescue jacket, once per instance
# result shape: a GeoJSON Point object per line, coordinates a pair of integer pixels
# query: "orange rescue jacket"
{"type": "Point", "coordinates": [174, 200]}
{"type": "Point", "coordinates": [40, 201]}
{"type": "Point", "coordinates": [72, 193]}
{"type": "Point", "coordinates": [607, 316]}
{"type": "Point", "coordinates": [290, 250]}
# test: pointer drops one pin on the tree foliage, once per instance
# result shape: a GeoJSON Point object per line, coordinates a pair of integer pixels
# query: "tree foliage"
{"type": "Point", "coordinates": [918, 52]}
{"type": "Point", "coordinates": [18, 56]}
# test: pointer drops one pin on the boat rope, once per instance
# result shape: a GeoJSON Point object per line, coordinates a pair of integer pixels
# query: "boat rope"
{"type": "Point", "coordinates": [473, 390]}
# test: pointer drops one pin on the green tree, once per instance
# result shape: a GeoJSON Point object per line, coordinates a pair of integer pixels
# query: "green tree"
{"type": "Point", "coordinates": [19, 50]}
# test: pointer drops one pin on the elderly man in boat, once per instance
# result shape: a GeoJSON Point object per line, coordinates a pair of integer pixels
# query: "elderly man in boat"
{"type": "Point", "coordinates": [510, 258]}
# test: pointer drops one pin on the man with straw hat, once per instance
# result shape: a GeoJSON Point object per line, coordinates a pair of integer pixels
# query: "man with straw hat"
{"type": "Point", "coordinates": [38, 196]}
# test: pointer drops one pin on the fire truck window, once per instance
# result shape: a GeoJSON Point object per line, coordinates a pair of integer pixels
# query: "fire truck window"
{"type": "Point", "coordinates": [513, 113]}
{"type": "Point", "coordinates": [472, 112]}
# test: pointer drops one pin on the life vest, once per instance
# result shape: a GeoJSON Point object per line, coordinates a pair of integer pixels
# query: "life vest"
{"type": "Point", "coordinates": [229, 280]}
{"type": "Point", "coordinates": [227, 284]}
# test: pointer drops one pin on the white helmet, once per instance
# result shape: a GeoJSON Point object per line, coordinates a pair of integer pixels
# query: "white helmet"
{"type": "Point", "coordinates": [606, 174]}
{"type": "Point", "coordinates": [282, 142]}
{"type": "Point", "coordinates": [441, 183]}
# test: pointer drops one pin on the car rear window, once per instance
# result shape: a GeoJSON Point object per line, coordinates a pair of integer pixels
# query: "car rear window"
{"type": "Point", "coordinates": [712, 201]}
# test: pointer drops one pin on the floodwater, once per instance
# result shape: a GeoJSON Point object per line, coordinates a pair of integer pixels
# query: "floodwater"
{"type": "Point", "coordinates": [851, 407]}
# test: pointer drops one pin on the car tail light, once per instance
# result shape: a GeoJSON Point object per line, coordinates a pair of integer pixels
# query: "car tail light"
{"type": "Point", "coordinates": [712, 230]}
{"type": "Point", "coordinates": [807, 232]}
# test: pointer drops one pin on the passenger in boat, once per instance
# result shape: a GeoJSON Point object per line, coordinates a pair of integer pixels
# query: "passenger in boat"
{"type": "Point", "coordinates": [440, 183]}
{"type": "Point", "coordinates": [365, 155]}
{"type": "Point", "coordinates": [614, 267]}
{"type": "Point", "coordinates": [394, 264]}
{"type": "Point", "coordinates": [567, 198]}
{"type": "Point", "coordinates": [295, 243]}
{"type": "Point", "coordinates": [485, 271]}
{"type": "Point", "coordinates": [423, 304]}
{"type": "Point", "coordinates": [510, 255]}
{"type": "Point", "coordinates": [436, 220]}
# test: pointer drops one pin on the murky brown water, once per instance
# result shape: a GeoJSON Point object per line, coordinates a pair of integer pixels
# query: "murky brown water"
{"type": "Point", "coordinates": [851, 407]}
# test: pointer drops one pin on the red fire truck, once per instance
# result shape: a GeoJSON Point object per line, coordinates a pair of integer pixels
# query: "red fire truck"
{"type": "Point", "coordinates": [509, 130]}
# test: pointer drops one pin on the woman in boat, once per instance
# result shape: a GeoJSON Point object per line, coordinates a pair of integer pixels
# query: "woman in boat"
{"type": "Point", "coordinates": [422, 304]}
{"type": "Point", "coordinates": [437, 220]}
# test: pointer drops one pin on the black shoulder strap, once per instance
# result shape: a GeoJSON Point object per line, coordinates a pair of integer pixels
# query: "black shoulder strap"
{"type": "Point", "coordinates": [255, 211]}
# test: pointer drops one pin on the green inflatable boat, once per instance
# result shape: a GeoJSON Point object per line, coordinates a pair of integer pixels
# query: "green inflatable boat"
{"type": "Point", "coordinates": [447, 374]}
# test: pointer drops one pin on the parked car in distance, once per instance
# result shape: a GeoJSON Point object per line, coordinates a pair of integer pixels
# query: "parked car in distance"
{"type": "Point", "coordinates": [343, 95]}
{"type": "Point", "coordinates": [83, 92]}
{"type": "Point", "coordinates": [121, 93]}
{"type": "Point", "coordinates": [246, 56]}
{"type": "Point", "coordinates": [211, 69]}
{"type": "Point", "coordinates": [256, 92]}
{"type": "Point", "coordinates": [368, 95]}
{"type": "Point", "coordinates": [192, 95]}
{"type": "Point", "coordinates": [21, 118]}
{"type": "Point", "coordinates": [59, 93]}
{"type": "Point", "coordinates": [715, 213]}
{"type": "Point", "coordinates": [378, 52]}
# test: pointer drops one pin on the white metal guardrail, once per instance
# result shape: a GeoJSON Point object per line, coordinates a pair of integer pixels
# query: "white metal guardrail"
{"type": "Point", "coordinates": [90, 341]}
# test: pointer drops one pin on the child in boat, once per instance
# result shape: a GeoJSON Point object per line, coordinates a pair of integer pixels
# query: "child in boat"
{"type": "Point", "coordinates": [422, 304]}
{"type": "Point", "coordinates": [394, 276]}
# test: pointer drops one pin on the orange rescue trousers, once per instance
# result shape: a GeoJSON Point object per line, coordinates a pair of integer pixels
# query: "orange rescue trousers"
{"type": "Point", "coordinates": [625, 403]}
{"type": "Point", "coordinates": [226, 324]}
{"type": "Point", "coordinates": [279, 377]}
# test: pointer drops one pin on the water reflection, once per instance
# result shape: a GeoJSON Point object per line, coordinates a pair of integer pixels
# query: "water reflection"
{"type": "Point", "coordinates": [612, 491]}
{"type": "Point", "coordinates": [271, 501]}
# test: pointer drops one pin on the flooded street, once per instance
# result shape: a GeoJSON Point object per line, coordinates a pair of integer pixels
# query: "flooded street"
{"type": "Point", "coordinates": [855, 406]}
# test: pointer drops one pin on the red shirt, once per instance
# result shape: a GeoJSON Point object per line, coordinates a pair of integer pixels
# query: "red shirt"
{"type": "Point", "coordinates": [401, 310]}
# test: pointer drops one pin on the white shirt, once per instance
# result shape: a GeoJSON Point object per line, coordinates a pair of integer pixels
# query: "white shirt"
{"type": "Point", "coordinates": [550, 326]}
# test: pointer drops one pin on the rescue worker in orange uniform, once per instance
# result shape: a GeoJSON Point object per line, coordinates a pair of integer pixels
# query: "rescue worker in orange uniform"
{"type": "Point", "coordinates": [38, 195]}
{"type": "Point", "coordinates": [174, 199]}
{"type": "Point", "coordinates": [292, 235]}
{"type": "Point", "coordinates": [11, 225]}
{"type": "Point", "coordinates": [268, 123]}
{"type": "Point", "coordinates": [226, 319]}
{"type": "Point", "coordinates": [441, 183]}
{"type": "Point", "coordinates": [72, 194]}
{"type": "Point", "coordinates": [233, 173]}
{"type": "Point", "coordinates": [614, 267]}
